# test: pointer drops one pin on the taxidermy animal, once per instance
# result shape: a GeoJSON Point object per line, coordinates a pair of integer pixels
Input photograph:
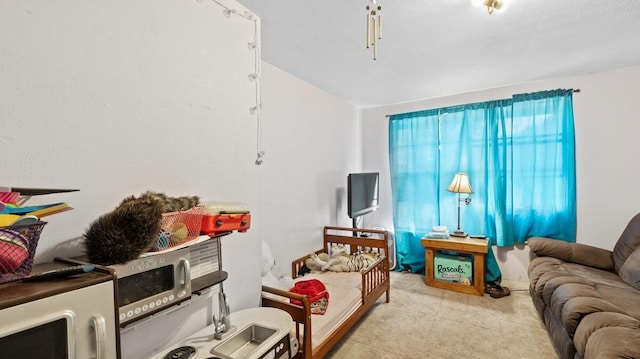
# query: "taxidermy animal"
{"type": "Point", "coordinates": [340, 261]}
{"type": "Point", "coordinates": [126, 232]}
{"type": "Point", "coordinates": [169, 204]}
{"type": "Point", "coordinates": [132, 228]}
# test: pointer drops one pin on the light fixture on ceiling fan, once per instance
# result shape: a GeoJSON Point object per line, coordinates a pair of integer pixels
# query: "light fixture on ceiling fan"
{"type": "Point", "coordinates": [492, 5]}
{"type": "Point", "coordinates": [374, 26]}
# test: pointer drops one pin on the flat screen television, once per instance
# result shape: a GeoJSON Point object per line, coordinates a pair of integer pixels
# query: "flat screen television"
{"type": "Point", "coordinates": [362, 193]}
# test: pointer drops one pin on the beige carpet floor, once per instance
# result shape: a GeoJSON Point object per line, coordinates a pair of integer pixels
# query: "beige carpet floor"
{"type": "Point", "coordinates": [426, 322]}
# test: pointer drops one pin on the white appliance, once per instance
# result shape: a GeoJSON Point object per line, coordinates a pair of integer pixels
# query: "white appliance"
{"type": "Point", "coordinates": [279, 350]}
{"type": "Point", "coordinates": [150, 284]}
{"type": "Point", "coordinates": [205, 345]}
{"type": "Point", "coordinates": [69, 318]}
{"type": "Point", "coordinates": [159, 280]}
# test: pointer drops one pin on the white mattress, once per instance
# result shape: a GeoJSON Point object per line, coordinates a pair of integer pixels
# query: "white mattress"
{"type": "Point", "coordinates": [345, 296]}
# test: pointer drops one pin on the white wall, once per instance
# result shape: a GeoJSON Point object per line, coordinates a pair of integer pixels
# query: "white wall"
{"type": "Point", "coordinates": [312, 142]}
{"type": "Point", "coordinates": [115, 98]}
{"type": "Point", "coordinates": [118, 97]}
{"type": "Point", "coordinates": [606, 152]}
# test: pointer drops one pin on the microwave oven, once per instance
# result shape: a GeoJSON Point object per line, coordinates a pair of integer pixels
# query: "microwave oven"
{"type": "Point", "coordinates": [69, 318]}
{"type": "Point", "coordinates": [149, 284]}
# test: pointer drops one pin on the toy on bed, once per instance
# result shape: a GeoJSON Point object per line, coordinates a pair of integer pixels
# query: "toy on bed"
{"type": "Point", "coordinates": [313, 288]}
{"type": "Point", "coordinates": [352, 293]}
{"type": "Point", "coordinates": [341, 261]}
{"type": "Point", "coordinates": [317, 293]}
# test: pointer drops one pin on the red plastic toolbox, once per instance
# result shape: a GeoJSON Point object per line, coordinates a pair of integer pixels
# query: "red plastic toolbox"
{"type": "Point", "coordinates": [212, 224]}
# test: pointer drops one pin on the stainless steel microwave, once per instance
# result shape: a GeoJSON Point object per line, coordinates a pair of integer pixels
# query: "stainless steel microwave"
{"type": "Point", "coordinates": [152, 283]}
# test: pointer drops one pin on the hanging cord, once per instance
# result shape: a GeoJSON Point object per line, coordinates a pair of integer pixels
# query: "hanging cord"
{"type": "Point", "coordinates": [255, 77]}
{"type": "Point", "coordinates": [258, 84]}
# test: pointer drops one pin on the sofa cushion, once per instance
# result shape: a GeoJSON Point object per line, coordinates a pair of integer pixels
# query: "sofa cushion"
{"type": "Point", "coordinates": [578, 307]}
{"type": "Point", "coordinates": [630, 270]}
{"type": "Point", "coordinates": [547, 273]}
{"type": "Point", "coordinates": [595, 321]}
{"type": "Point", "coordinates": [572, 252]}
{"type": "Point", "coordinates": [613, 342]}
{"type": "Point", "coordinates": [627, 243]}
{"type": "Point", "coordinates": [572, 291]}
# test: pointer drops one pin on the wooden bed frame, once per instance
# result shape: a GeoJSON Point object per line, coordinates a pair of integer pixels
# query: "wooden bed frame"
{"type": "Point", "coordinates": [375, 282]}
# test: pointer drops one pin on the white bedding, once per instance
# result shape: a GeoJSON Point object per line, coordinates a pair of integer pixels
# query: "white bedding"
{"type": "Point", "coordinates": [345, 296]}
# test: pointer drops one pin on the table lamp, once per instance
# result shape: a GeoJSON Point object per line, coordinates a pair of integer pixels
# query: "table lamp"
{"type": "Point", "coordinates": [460, 184]}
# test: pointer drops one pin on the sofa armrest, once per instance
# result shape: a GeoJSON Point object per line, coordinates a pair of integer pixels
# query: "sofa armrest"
{"type": "Point", "coordinates": [572, 252]}
{"type": "Point", "coordinates": [593, 322]}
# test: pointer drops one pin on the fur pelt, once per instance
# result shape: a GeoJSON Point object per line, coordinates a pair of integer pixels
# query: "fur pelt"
{"type": "Point", "coordinates": [132, 228]}
{"type": "Point", "coordinates": [169, 204]}
{"type": "Point", "coordinates": [126, 232]}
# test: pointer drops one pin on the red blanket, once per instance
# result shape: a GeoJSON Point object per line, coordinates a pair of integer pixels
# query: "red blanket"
{"type": "Point", "coordinates": [316, 292]}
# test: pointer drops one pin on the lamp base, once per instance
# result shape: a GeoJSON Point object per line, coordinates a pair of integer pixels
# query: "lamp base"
{"type": "Point", "coordinates": [458, 233]}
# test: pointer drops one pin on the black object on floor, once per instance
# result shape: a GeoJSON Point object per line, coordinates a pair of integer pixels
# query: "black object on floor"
{"type": "Point", "coordinates": [495, 290]}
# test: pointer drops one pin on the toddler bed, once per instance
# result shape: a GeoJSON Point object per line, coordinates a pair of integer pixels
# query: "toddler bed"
{"type": "Point", "coordinates": [351, 294]}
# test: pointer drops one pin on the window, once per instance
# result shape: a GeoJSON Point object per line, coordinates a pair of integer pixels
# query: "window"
{"type": "Point", "coordinates": [520, 157]}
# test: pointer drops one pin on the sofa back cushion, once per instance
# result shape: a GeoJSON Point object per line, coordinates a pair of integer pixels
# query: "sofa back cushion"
{"type": "Point", "coordinates": [572, 252]}
{"type": "Point", "coordinates": [630, 270]}
{"type": "Point", "coordinates": [629, 240]}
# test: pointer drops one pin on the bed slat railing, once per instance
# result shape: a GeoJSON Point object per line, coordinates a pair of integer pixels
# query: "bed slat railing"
{"type": "Point", "coordinates": [360, 242]}
{"type": "Point", "coordinates": [375, 283]}
{"type": "Point", "coordinates": [301, 315]}
{"type": "Point", "coordinates": [375, 280]}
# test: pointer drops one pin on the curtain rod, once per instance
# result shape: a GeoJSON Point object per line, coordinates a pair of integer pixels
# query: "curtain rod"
{"type": "Point", "coordinates": [574, 90]}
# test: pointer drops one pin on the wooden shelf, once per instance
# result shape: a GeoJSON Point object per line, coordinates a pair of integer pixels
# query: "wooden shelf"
{"type": "Point", "coordinates": [14, 293]}
{"type": "Point", "coordinates": [208, 280]}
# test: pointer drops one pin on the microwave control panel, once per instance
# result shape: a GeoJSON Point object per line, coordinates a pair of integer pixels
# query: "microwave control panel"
{"type": "Point", "coordinates": [150, 284]}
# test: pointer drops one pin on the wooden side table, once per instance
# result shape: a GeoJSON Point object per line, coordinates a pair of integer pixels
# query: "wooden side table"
{"type": "Point", "coordinates": [477, 247]}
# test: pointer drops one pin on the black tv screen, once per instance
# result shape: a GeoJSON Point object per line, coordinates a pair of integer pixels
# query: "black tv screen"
{"type": "Point", "coordinates": [362, 193]}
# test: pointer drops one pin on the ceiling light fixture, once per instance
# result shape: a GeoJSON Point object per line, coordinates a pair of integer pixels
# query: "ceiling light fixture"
{"type": "Point", "coordinates": [374, 26]}
{"type": "Point", "coordinates": [492, 5]}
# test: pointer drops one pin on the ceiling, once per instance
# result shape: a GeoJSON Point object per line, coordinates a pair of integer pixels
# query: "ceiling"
{"type": "Point", "coordinates": [434, 48]}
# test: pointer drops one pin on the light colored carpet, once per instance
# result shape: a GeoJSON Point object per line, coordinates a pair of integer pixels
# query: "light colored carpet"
{"type": "Point", "coordinates": [426, 322]}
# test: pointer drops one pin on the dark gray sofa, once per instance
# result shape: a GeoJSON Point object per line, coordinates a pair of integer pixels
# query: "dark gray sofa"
{"type": "Point", "coordinates": [588, 297]}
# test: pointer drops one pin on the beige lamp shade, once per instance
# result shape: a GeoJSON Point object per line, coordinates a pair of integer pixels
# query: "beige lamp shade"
{"type": "Point", "coordinates": [460, 184]}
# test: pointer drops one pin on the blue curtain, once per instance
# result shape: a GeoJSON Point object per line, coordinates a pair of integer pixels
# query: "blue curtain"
{"type": "Point", "coordinates": [519, 154]}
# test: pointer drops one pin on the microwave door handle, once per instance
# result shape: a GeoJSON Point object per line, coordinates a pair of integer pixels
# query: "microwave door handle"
{"type": "Point", "coordinates": [100, 334]}
{"type": "Point", "coordinates": [187, 273]}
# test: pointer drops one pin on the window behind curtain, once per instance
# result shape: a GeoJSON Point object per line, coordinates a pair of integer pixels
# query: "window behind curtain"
{"type": "Point", "coordinates": [542, 166]}
{"type": "Point", "coordinates": [519, 154]}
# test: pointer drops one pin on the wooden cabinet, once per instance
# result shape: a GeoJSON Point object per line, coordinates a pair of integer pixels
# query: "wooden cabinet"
{"type": "Point", "coordinates": [477, 247]}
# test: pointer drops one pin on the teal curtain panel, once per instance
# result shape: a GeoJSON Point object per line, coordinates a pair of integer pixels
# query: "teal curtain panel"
{"type": "Point", "coordinates": [519, 154]}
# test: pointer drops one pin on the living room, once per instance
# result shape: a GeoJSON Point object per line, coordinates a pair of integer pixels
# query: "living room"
{"type": "Point", "coordinates": [116, 98]}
